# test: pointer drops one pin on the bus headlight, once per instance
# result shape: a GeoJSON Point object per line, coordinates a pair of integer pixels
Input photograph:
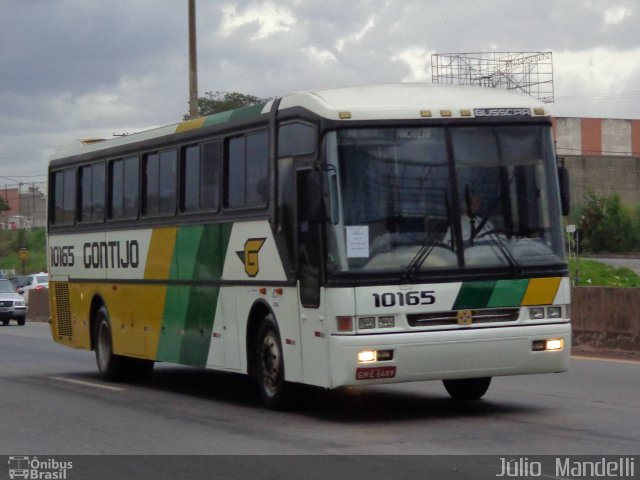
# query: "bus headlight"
{"type": "Point", "coordinates": [536, 313]}
{"type": "Point", "coordinates": [554, 312]}
{"type": "Point", "coordinates": [366, 323]}
{"type": "Point", "coordinates": [386, 322]}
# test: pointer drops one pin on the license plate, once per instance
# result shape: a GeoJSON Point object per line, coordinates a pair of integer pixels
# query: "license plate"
{"type": "Point", "coordinates": [5, 309]}
{"type": "Point", "coordinates": [375, 373]}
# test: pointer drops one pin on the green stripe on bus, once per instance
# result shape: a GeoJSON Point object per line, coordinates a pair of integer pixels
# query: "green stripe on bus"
{"type": "Point", "coordinates": [474, 295]}
{"type": "Point", "coordinates": [189, 310]}
{"type": "Point", "coordinates": [232, 115]}
{"type": "Point", "coordinates": [508, 293]}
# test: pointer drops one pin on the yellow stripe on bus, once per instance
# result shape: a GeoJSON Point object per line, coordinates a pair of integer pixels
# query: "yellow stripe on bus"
{"type": "Point", "coordinates": [190, 125]}
{"type": "Point", "coordinates": [163, 241]}
{"type": "Point", "coordinates": [541, 291]}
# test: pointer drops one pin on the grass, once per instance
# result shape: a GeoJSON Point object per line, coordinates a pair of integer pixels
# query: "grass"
{"type": "Point", "coordinates": [596, 274]}
{"type": "Point", "coordinates": [11, 241]}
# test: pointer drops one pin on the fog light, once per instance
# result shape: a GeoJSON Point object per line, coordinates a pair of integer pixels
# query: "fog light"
{"type": "Point", "coordinates": [386, 322]}
{"type": "Point", "coordinates": [555, 344]}
{"type": "Point", "coordinates": [536, 313]}
{"type": "Point", "coordinates": [550, 345]}
{"type": "Point", "coordinates": [366, 323]}
{"type": "Point", "coordinates": [554, 312]}
{"type": "Point", "coordinates": [345, 324]}
{"type": "Point", "coordinates": [367, 356]}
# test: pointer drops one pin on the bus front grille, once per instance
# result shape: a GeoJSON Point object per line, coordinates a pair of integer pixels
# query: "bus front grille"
{"type": "Point", "coordinates": [487, 315]}
{"type": "Point", "coordinates": [63, 309]}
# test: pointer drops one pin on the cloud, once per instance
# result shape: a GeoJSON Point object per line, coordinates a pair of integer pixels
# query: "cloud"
{"type": "Point", "coordinates": [269, 18]}
{"type": "Point", "coordinates": [73, 69]}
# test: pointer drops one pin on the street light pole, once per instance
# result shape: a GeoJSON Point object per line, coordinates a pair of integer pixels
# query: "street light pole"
{"type": "Point", "coordinates": [193, 62]}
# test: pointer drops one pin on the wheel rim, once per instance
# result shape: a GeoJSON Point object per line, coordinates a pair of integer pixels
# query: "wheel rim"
{"type": "Point", "coordinates": [104, 346]}
{"type": "Point", "coordinates": [270, 364]}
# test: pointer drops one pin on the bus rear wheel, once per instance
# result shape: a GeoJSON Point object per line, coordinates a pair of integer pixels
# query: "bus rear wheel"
{"type": "Point", "coordinates": [467, 389]}
{"type": "Point", "coordinates": [276, 393]}
{"type": "Point", "coordinates": [111, 366]}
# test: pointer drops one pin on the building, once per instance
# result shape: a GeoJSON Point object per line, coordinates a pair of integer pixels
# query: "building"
{"type": "Point", "coordinates": [27, 206]}
{"type": "Point", "coordinates": [602, 155]}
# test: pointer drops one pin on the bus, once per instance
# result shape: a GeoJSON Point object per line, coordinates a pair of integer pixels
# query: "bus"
{"type": "Point", "coordinates": [347, 236]}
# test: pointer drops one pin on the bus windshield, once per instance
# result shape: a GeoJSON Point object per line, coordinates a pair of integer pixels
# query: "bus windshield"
{"type": "Point", "coordinates": [418, 199]}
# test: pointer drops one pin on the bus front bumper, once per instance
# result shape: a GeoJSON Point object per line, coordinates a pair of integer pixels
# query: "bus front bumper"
{"type": "Point", "coordinates": [450, 354]}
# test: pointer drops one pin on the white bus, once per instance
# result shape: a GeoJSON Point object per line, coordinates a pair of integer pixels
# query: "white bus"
{"type": "Point", "coordinates": [349, 236]}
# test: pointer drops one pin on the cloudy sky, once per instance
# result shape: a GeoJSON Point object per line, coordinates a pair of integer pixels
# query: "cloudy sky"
{"type": "Point", "coordinates": [89, 68]}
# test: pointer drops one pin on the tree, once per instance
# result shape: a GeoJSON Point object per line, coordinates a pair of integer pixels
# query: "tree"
{"type": "Point", "coordinates": [216, 102]}
{"type": "Point", "coordinates": [4, 205]}
{"type": "Point", "coordinates": [607, 225]}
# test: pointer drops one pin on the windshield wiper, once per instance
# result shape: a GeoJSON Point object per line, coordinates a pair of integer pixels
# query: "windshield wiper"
{"type": "Point", "coordinates": [428, 243]}
{"type": "Point", "coordinates": [504, 250]}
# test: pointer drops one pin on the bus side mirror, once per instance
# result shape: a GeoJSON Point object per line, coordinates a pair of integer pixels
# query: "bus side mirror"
{"type": "Point", "coordinates": [313, 193]}
{"type": "Point", "coordinates": [565, 196]}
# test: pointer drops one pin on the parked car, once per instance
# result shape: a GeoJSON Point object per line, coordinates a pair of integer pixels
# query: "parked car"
{"type": "Point", "coordinates": [12, 305]}
{"type": "Point", "coordinates": [17, 281]}
{"type": "Point", "coordinates": [35, 281]}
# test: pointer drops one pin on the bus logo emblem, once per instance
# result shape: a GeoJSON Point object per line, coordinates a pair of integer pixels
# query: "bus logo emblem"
{"type": "Point", "coordinates": [249, 256]}
{"type": "Point", "coordinates": [465, 317]}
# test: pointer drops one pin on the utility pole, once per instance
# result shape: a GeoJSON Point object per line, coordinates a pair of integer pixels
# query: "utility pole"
{"type": "Point", "coordinates": [193, 62]}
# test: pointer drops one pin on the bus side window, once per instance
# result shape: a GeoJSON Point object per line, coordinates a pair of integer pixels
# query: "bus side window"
{"type": "Point", "coordinates": [200, 165]}
{"type": "Point", "coordinates": [159, 186]}
{"type": "Point", "coordinates": [91, 197]}
{"type": "Point", "coordinates": [64, 202]}
{"type": "Point", "coordinates": [124, 175]}
{"type": "Point", "coordinates": [309, 250]}
{"type": "Point", "coordinates": [296, 139]}
{"type": "Point", "coordinates": [247, 170]}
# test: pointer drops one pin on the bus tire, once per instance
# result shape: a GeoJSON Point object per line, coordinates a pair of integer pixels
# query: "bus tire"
{"type": "Point", "coordinates": [467, 389]}
{"type": "Point", "coordinates": [276, 393]}
{"type": "Point", "coordinates": [112, 367]}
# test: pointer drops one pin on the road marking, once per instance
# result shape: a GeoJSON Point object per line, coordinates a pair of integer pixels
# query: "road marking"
{"type": "Point", "coordinates": [611, 360]}
{"type": "Point", "coordinates": [89, 384]}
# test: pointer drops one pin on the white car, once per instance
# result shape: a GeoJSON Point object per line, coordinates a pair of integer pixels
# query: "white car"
{"type": "Point", "coordinates": [12, 305]}
{"type": "Point", "coordinates": [35, 281]}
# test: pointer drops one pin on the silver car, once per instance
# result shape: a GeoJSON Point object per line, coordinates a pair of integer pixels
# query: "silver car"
{"type": "Point", "coordinates": [12, 305]}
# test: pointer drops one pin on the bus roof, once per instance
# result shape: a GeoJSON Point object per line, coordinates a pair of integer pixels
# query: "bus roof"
{"type": "Point", "coordinates": [364, 102]}
{"type": "Point", "coordinates": [407, 101]}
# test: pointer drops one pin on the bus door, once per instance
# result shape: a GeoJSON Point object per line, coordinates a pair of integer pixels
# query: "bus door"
{"type": "Point", "coordinates": [315, 349]}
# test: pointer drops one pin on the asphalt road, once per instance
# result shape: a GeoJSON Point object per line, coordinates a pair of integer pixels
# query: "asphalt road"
{"type": "Point", "coordinates": [630, 263]}
{"type": "Point", "coordinates": [54, 403]}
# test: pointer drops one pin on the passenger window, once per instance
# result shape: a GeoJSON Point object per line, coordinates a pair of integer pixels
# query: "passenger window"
{"type": "Point", "coordinates": [159, 186]}
{"type": "Point", "coordinates": [63, 206]}
{"type": "Point", "coordinates": [200, 167]}
{"type": "Point", "coordinates": [247, 171]}
{"type": "Point", "coordinates": [123, 188]}
{"type": "Point", "coordinates": [92, 190]}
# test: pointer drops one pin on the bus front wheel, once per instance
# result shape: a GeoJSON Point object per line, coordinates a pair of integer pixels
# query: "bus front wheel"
{"type": "Point", "coordinates": [467, 389]}
{"type": "Point", "coordinates": [276, 393]}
